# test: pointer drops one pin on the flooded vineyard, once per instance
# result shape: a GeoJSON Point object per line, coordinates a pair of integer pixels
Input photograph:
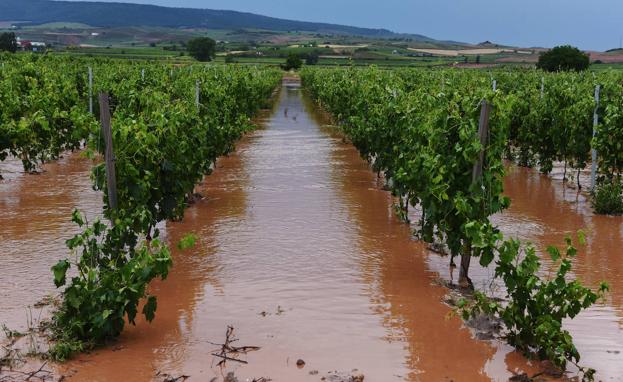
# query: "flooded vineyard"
{"type": "Point", "coordinates": [300, 251]}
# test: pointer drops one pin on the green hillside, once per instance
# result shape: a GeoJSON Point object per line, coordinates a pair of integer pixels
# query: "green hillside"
{"type": "Point", "coordinates": [100, 14]}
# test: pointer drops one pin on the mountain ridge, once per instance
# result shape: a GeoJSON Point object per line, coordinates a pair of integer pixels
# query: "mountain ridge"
{"type": "Point", "coordinates": [119, 14]}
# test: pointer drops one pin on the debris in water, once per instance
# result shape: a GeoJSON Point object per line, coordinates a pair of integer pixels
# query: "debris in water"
{"type": "Point", "coordinates": [227, 352]}
{"type": "Point", "coordinates": [37, 375]}
{"type": "Point", "coordinates": [164, 377]}
{"type": "Point", "coordinates": [438, 248]}
{"type": "Point", "coordinates": [194, 198]}
{"type": "Point", "coordinates": [300, 363]}
{"type": "Point", "coordinates": [48, 301]}
{"type": "Point", "coordinates": [278, 312]}
{"type": "Point", "coordinates": [551, 370]}
{"type": "Point", "coordinates": [520, 378]}
{"type": "Point", "coordinates": [335, 376]}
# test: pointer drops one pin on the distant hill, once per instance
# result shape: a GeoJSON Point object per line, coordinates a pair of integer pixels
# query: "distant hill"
{"type": "Point", "coordinates": [101, 14]}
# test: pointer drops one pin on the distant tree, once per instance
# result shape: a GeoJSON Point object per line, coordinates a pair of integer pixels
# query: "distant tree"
{"type": "Point", "coordinates": [201, 48]}
{"type": "Point", "coordinates": [229, 59]}
{"type": "Point", "coordinates": [8, 42]}
{"type": "Point", "coordinates": [221, 47]}
{"type": "Point", "coordinates": [312, 58]}
{"type": "Point", "coordinates": [564, 58]}
{"type": "Point", "coordinates": [478, 59]}
{"type": "Point", "coordinates": [152, 44]}
{"type": "Point", "coordinates": [293, 62]}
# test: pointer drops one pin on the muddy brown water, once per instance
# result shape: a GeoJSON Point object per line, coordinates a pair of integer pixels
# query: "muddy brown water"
{"type": "Point", "coordinates": [35, 222]}
{"type": "Point", "coordinates": [299, 250]}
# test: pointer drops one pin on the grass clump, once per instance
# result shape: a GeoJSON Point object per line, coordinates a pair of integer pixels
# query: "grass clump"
{"type": "Point", "coordinates": [608, 198]}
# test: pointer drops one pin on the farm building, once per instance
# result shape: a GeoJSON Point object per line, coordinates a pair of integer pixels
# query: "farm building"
{"type": "Point", "coordinates": [31, 46]}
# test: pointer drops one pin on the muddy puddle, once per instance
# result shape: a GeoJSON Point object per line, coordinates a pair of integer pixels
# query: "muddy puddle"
{"type": "Point", "coordinates": [300, 252]}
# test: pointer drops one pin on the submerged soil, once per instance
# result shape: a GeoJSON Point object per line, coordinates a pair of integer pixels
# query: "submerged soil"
{"type": "Point", "coordinates": [301, 253]}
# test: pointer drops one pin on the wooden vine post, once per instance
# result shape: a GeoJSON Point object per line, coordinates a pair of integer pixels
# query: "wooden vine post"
{"type": "Point", "coordinates": [483, 133]}
{"type": "Point", "coordinates": [109, 156]}
{"type": "Point", "coordinates": [593, 151]}
{"type": "Point", "coordinates": [197, 92]}
{"type": "Point", "coordinates": [90, 90]}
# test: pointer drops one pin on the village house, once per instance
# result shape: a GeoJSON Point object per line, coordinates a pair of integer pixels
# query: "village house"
{"type": "Point", "coordinates": [30, 46]}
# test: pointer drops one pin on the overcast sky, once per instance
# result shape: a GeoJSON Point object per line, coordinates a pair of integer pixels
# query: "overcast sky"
{"type": "Point", "coordinates": [588, 24]}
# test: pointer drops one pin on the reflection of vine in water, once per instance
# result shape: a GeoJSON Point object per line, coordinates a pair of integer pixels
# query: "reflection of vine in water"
{"type": "Point", "coordinates": [224, 200]}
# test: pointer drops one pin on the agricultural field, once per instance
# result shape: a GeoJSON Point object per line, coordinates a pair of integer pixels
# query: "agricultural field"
{"type": "Point", "coordinates": [221, 221]}
{"type": "Point", "coordinates": [269, 47]}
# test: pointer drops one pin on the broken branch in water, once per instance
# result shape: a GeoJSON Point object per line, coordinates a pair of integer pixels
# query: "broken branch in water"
{"type": "Point", "coordinates": [169, 378]}
{"type": "Point", "coordinates": [27, 376]}
{"type": "Point", "coordinates": [226, 358]}
{"type": "Point", "coordinates": [228, 352]}
{"type": "Point", "coordinates": [34, 373]}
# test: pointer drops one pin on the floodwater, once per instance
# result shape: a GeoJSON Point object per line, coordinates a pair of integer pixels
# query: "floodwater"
{"type": "Point", "coordinates": [543, 212]}
{"type": "Point", "coordinates": [300, 252]}
{"type": "Point", "coordinates": [35, 222]}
